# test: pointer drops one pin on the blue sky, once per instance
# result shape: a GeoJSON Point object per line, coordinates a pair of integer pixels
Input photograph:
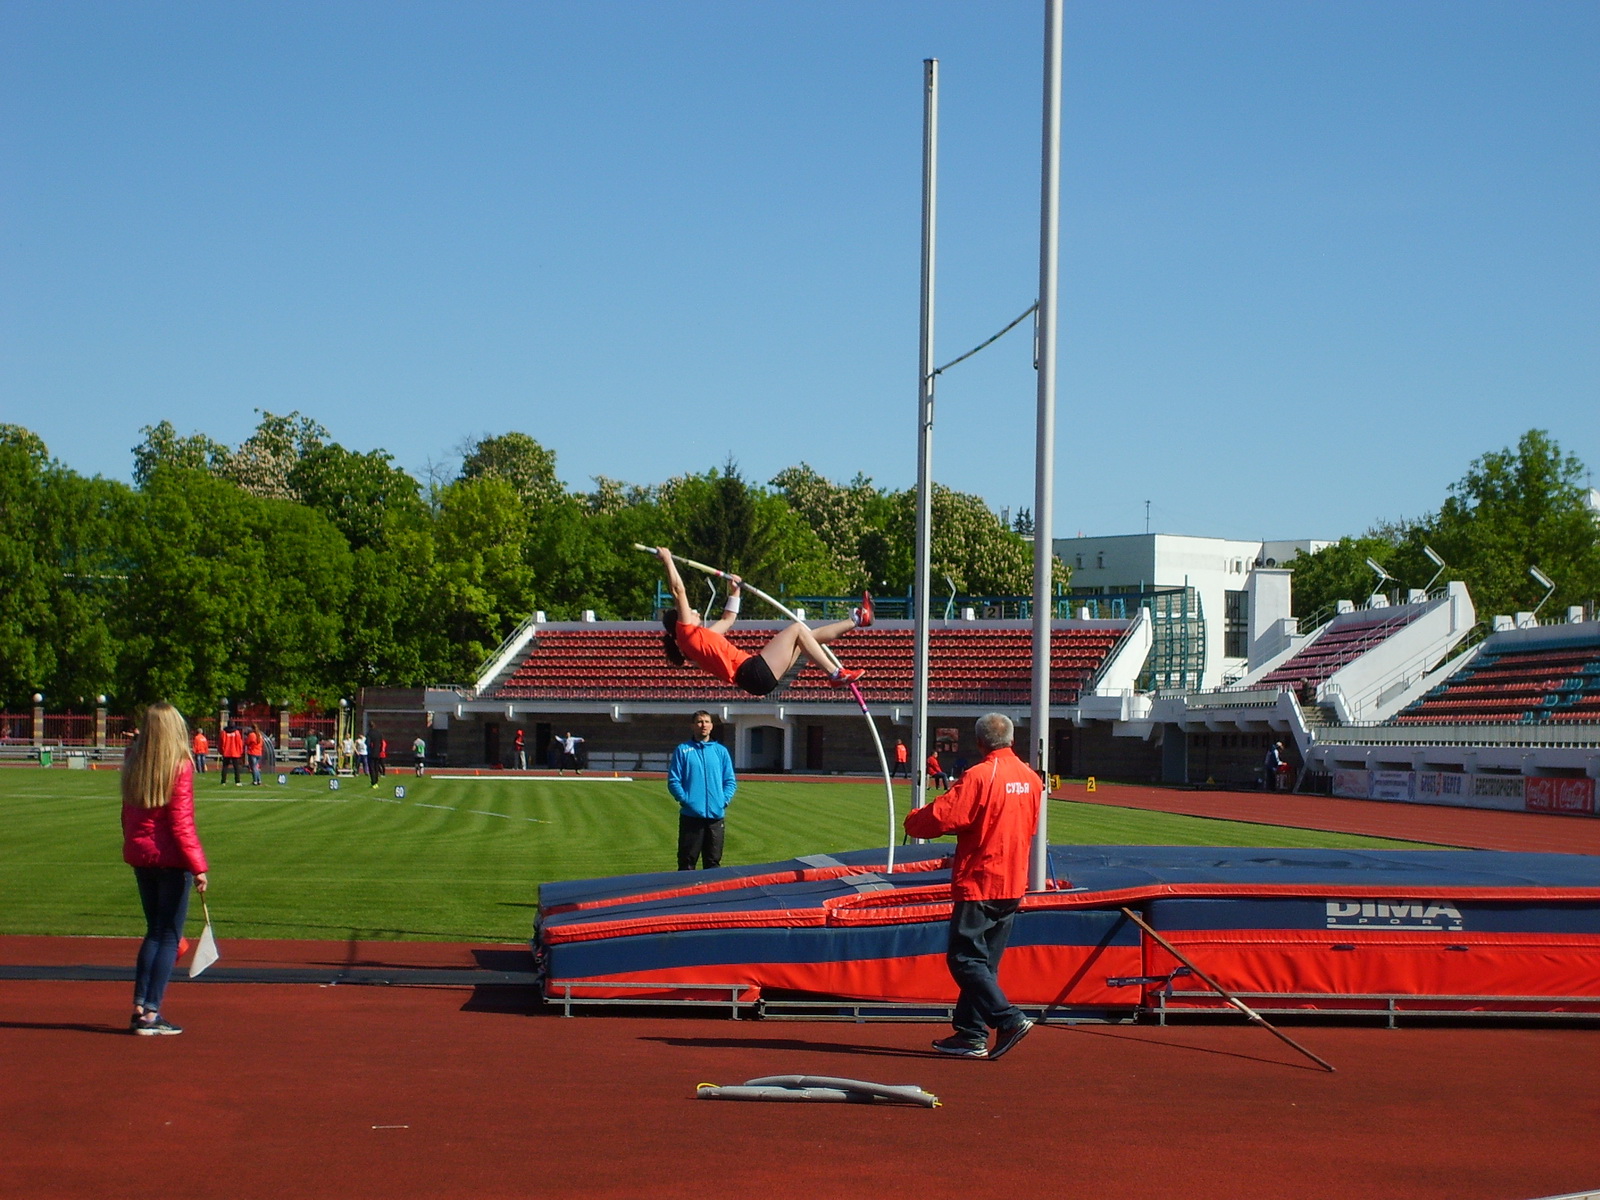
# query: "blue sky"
{"type": "Point", "coordinates": [1315, 257]}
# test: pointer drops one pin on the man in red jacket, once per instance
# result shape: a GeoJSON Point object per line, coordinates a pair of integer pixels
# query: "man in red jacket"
{"type": "Point", "coordinates": [993, 812]}
{"type": "Point", "coordinates": [232, 753]}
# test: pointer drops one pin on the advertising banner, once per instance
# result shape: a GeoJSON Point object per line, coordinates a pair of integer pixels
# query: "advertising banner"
{"type": "Point", "coordinates": [1443, 787]}
{"type": "Point", "coordinates": [1350, 781]}
{"type": "Point", "coordinates": [1545, 794]}
{"type": "Point", "coordinates": [1497, 791]}
{"type": "Point", "coordinates": [1389, 785]}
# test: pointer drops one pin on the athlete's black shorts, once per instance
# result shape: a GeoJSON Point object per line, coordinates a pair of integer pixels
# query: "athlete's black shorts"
{"type": "Point", "coordinates": [754, 676]}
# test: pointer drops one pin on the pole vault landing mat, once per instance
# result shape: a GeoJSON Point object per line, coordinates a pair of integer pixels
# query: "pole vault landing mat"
{"type": "Point", "coordinates": [1486, 930]}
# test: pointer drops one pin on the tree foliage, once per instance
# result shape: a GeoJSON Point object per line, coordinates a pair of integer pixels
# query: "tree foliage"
{"type": "Point", "coordinates": [521, 461]}
{"type": "Point", "coordinates": [1514, 509]}
{"type": "Point", "coordinates": [872, 535]}
{"type": "Point", "coordinates": [295, 570]}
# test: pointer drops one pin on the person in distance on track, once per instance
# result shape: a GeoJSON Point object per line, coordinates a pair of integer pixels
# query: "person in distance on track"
{"type": "Point", "coordinates": [688, 639]}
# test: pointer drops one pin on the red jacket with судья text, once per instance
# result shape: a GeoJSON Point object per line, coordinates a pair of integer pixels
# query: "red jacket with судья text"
{"type": "Point", "coordinates": [993, 812]}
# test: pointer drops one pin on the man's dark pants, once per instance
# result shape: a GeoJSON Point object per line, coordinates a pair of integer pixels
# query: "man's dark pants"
{"type": "Point", "coordinates": [699, 837]}
{"type": "Point", "coordinates": [978, 933]}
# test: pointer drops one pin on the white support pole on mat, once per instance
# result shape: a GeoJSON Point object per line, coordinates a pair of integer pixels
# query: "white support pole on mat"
{"type": "Point", "coordinates": [922, 572]}
{"type": "Point", "coordinates": [1044, 461]}
{"type": "Point", "coordinates": [883, 759]}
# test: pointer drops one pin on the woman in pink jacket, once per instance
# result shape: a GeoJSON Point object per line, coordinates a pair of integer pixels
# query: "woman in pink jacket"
{"type": "Point", "coordinates": [160, 844]}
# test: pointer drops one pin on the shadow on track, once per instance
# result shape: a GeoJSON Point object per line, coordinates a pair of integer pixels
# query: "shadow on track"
{"type": "Point", "coordinates": [67, 1026]}
{"type": "Point", "coordinates": [1126, 1035]}
{"type": "Point", "coordinates": [716, 1043]}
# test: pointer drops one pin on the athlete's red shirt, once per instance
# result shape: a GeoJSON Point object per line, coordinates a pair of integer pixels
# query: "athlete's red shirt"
{"type": "Point", "coordinates": [253, 742]}
{"type": "Point", "coordinates": [993, 812]}
{"type": "Point", "coordinates": [709, 650]}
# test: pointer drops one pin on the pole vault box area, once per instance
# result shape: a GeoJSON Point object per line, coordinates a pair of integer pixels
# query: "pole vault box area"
{"type": "Point", "coordinates": [1491, 930]}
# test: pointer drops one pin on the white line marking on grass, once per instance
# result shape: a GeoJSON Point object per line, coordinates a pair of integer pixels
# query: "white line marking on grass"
{"type": "Point", "coordinates": [446, 807]}
{"type": "Point", "coordinates": [269, 800]}
{"type": "Point", "coordinates": [483, 812]}
{"type": "Point", "coordinates": [538, 778]}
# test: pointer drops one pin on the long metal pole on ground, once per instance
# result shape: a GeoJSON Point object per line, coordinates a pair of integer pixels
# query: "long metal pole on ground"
{"type": "Point", "coordinates": [925, 382]}
{"type": "Point", "coordinates": [1044, 461]}
{"type": "Point", "coordinates": [1211, 983]}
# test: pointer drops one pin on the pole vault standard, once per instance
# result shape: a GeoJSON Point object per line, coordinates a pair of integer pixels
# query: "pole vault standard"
{"type": "Point", "coordinates": [925, 376]}
{"type": "Point", "coordinates": [883, 759]}
{"type": "Point", "coordinates": [1044, 460]}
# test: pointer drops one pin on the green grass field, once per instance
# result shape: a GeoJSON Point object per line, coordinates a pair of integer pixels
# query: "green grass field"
{"type": "Point", "coordinates": [453, 860]}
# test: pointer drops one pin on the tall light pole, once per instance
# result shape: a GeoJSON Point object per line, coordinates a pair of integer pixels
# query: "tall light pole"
{"type": "Point", "coordinates": [920, 585]}
{"type": "Point", "coordinates": [1044, 461]}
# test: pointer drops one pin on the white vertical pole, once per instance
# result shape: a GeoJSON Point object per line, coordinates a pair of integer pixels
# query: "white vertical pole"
{"type": "Point", "coordinates": [920, 586]}
{"type": "Point", "coordinates": [1044, 462]}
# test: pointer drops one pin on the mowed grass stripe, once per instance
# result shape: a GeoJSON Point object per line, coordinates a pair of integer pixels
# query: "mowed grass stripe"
{"type": "Point", "coordinates": [343, 864]}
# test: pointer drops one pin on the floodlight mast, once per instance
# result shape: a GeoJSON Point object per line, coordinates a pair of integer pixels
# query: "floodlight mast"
{"type": "Point", "coordinates": [1044, 462]}
{"type": "Point", "coordinates": [1545, 582]}
{"type": "Point", "coordinates": [925, 384]}
{"type": "Point", "coordinates": [1433, 557]}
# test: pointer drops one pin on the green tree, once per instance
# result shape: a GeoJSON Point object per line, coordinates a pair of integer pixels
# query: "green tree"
{"type": "Point", "coordinates": [1340, 572]}
{"type": "Point", "coordinates": [521, 461]}
{"type": "Point", "coordinates": [871, 535]}
{"type": "Point", "coordinates": [364, 495]}
{"type": "Point", "coordinates": [719, 519]}
{"type": "Point", "coordinates": [26, 568]}
{"type": "Point", "coordinates": [840, 514]}
{"type": "Point", "coordinates": [482, 586]}
{"type": "Point", "coordinates": [59, 564]}
{"type": "Point", "coordinates": [163, 447]}
{"type": "Point", "coordinates": [265, 461]}
{"type": "Point", "coordinates": [1515, 509]}
{"type": "Point", "coordinates": [229, 595]}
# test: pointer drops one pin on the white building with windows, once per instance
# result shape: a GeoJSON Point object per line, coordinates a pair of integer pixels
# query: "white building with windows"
{"type": "Point", "coordinates": [1237, 628]}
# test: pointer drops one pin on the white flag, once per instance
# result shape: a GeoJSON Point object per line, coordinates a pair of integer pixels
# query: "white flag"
{"type": "Point", "coordinates": [205, 953]}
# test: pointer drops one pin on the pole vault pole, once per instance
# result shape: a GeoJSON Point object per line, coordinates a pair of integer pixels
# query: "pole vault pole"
{"type": "Point", "coordinates": [925, 385]}
{"type": "Point", "coordinates": [1044, 461]}
{"type": "Point", "coordinates": [1224, 992]}
{"type": "Point", "coordinates": [872, 726]}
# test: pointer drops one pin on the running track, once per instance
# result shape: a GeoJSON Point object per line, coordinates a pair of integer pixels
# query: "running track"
{"type": "Point", "coordinates": [1471, 828]}
{"type": "Point", "coordinates": [355, 1092]}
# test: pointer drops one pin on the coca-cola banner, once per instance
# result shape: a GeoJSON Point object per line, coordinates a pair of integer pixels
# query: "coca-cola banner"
{"type": "Point", "coordinates": [1546, 794]}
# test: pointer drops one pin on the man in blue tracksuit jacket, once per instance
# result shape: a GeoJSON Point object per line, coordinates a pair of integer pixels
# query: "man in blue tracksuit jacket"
{"type": "Point", "coordinates": [700, 779]}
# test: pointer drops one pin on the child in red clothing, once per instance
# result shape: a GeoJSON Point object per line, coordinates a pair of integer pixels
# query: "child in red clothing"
{"type": "Point", "coordinates": [688, 638]}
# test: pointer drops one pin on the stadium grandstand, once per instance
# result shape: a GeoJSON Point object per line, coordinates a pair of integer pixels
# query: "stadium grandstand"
{"type": "Point", "coordinates": [1399, 696]}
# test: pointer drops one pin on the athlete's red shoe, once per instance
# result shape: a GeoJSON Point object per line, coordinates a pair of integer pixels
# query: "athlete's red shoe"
{"type": "Point", "coordinates": [844, 676]}
{"type": "Point", "coordinates": [863, 615]}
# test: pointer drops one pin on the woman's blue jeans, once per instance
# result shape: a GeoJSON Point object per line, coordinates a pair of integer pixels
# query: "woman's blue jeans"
{"type": "Point", "coordinates": [164, 892]}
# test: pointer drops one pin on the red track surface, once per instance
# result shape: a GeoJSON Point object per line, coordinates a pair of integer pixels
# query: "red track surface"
{"type": "Point", "coordinates": [297, 1091]}
{"type": "Point", "coordinates": [1474, 828]}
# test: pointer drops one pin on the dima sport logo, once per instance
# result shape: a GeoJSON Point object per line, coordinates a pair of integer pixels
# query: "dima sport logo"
{"type": "Point", "coordinates": [1393, 914]}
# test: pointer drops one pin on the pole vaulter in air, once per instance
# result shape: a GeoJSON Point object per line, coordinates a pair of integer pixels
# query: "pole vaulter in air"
{"type": "Point", "coordinates": [688, 637]}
